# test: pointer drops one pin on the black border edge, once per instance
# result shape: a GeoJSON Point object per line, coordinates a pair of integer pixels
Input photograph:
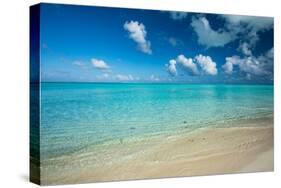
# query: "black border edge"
{"type": "Point", "coordinates": [34, 94]}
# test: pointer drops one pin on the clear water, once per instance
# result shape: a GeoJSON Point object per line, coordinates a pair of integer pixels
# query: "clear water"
{"type": "Point", "coordinates": [77, 115]}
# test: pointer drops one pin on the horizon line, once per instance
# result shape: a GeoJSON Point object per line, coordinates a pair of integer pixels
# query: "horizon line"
{"type": "Point", "coordinates": [197, 83]}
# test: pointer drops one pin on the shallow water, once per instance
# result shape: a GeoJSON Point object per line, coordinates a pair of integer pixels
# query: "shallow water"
{"type": "Point", "coordinates": [77, 115]}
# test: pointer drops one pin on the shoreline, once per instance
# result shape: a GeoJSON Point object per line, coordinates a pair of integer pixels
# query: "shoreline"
{"type": "Point", "coordinates": [204, 151]}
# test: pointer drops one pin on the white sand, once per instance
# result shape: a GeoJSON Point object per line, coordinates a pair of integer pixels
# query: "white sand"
{"type": "Point", "coordinates": [202, 152]}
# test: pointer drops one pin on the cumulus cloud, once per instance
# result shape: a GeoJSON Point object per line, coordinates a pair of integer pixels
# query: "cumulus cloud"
{"type": "Point", "coordinates": [245, 27]}
{"type": "Point", "coordinates": [228, 66]}
{"type": "Point", "coordinates": [248, 26]}
{"type": "Point", "coordinates": [100, 64]}
{"type": "Point", "coordinates": [251, 65]}
{"type": "Point", "coordinates": [137, 32]}
{"type": "Point", "coordinates": [188, 64]}
{"type": "Point", "coordinates": [207, 64]}
{"type": "Point", "coordinates": [252, 22]}
{"type": "Point", "coordinates": [208, 36]}
{"type": "Point", "coordinates": [171, 67]}
{"type": "Point", "coordinates": [178, 15]}
{"type": "Point", "coordinates": [121, 77]}
{"type": "Point", "coordinates": [245, 48]}
{"type": "Point", "coordinates": [200, 64]}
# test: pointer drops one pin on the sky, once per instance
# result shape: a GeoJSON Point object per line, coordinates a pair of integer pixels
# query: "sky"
{"type": "Point", "coordinates": [98, 44]}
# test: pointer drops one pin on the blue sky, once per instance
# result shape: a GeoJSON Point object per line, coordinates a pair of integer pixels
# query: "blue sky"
{"type": "Point", "coordinates": [97, 44]}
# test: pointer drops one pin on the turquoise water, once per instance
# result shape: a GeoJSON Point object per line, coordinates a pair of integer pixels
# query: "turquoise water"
{"type": "Point", "coordinates": [77, 115]}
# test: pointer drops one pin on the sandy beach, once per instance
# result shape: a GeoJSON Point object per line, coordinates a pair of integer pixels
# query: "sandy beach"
{"type": "Point", "coordinates": [205, 151]}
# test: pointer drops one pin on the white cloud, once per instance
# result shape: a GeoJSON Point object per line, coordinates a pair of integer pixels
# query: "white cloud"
{"type": "Point", "coordinates": [207, 64]}
{"type": "Point", "coordinates": [228, 66]}
{"type": "Point", "coordinates": [99, 64]}
{"type": "Point", "coordinates": [252, 22]}
{"type": "Point", "coordinates": [138, 33]}
{"type": "Point", "coordinates": [200, 64]}
{"type": "Point", "coordinates": [178, 15]}
{"type": "Point", "coordinates": [208, 36]}
{"type": "Point", "coordinates": [188, 64]}
{"type": "Point", "coordinates": [172, 67]}
{"type": "Point", "coordinates": [154, 78]}
{"type": "Point", "coordinates": [121, 77]}
{"type": "Point", "coordinates": [245, 48]}
{"type": "Point", "coordinates": [250, 65]}
{"type": "Point", "coordinates": [248, 26]}
{"type": "Point", "coordinates": [253, 67]}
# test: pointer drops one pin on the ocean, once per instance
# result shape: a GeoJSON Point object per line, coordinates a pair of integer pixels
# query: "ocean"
{"type": "Point", "coordinates": [75, 116]}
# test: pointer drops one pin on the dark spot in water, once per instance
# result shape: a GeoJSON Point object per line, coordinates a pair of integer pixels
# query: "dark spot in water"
{"type": "Point", "coordinates": [184, 122]}
{"type": "Point", "coordinates": [132, 128]}
{"type": "Point", "coordinates": [185, 127]}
